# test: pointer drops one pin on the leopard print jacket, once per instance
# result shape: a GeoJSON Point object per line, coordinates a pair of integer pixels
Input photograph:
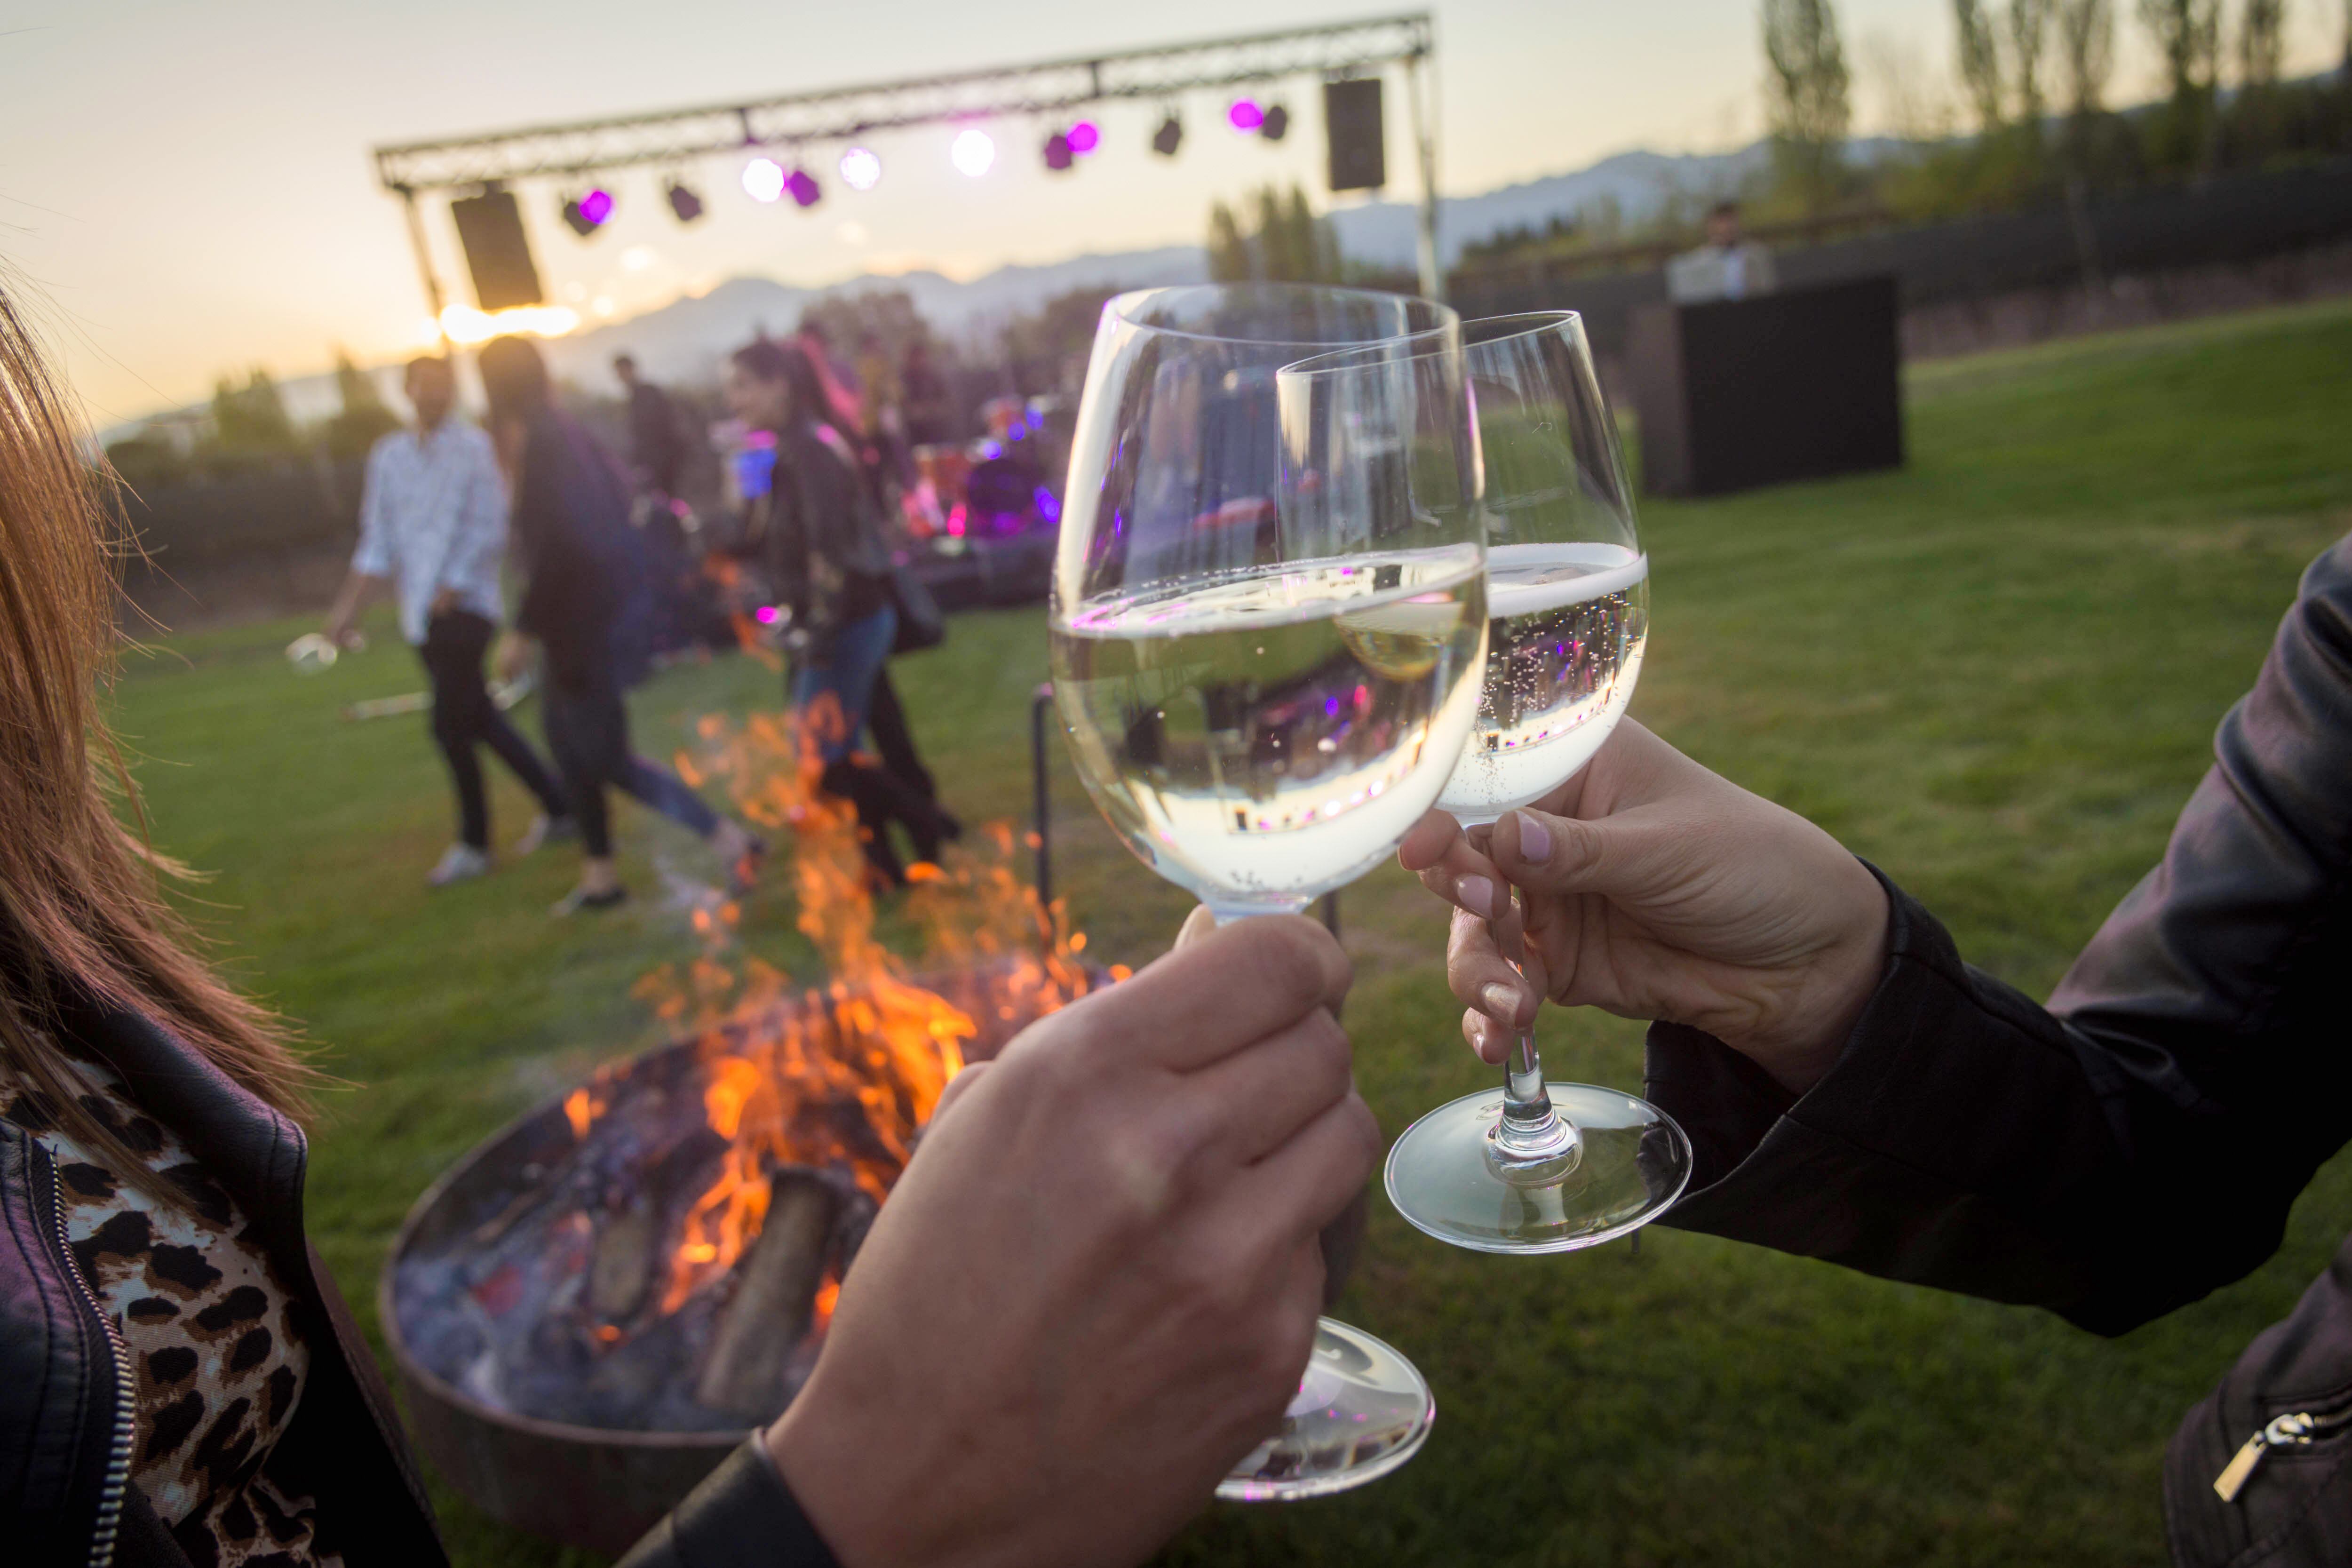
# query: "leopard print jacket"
{"type": "Point", "coordinates": [218, 1366]}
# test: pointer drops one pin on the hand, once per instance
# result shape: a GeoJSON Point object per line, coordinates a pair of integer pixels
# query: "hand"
{"type": "Point", "coordinates": [1658, 889]}
{"type": "Point", "coordinates": [1095, 1288]}
{"type": "Point", "coordinates": [513, 657]}
{"type": "Point", "coordinates": [444, 601]}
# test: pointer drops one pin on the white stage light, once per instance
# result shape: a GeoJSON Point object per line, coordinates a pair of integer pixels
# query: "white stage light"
{"type": "Point", "coordinates": [972, 151]}
{"type": "Point", "coordinates": [861, 169]}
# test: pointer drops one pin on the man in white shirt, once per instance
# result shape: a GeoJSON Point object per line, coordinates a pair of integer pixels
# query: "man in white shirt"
{"type": "Point", "coordinates": [1727, 267]}
{"type": "Point", "coordinates": [433, 523]}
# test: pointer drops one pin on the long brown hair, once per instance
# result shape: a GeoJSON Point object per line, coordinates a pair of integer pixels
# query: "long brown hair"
{"type": "Point", "coordinates": [80, 907]}
{"type": "Point", "coordinates": [515, 385]}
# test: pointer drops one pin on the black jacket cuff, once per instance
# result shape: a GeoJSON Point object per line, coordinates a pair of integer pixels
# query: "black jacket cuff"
{"type": "Point", "coordinates": [1924, 1154]}
{"type": "Point", "coordinates": [741, 1516]}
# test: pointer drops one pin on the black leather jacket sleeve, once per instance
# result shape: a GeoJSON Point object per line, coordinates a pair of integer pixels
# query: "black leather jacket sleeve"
{"type": "Point", "coordinates": [2136, 1143]}
{"type": "Point", "coordinates": [741, 1516]}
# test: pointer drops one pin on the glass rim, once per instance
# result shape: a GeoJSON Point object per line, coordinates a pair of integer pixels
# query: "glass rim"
{"type": "Point", "coordinates": [1120, 307]}
{"type": "Point", "coordinates": [1423, 344]}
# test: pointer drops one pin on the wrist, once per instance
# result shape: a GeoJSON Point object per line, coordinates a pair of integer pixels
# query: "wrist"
{"type": "Point", "coordinates": [1837, 992]}
{"type": "Point", "coordinates": [830, 1493]}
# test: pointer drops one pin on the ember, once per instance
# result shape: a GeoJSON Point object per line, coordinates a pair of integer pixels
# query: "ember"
{"type": "Point", "coordinates": [661, 1251]}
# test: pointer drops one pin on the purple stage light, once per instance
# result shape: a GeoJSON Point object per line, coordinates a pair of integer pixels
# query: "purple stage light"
{"type": "Point", "coordinates": [1085, 137]}
{"type": "Point", "coordinates": [803, 187]}
{"type": "Point", "coordinates": [597, 206]}
{"type": "Point", "coordinates": [1245, 116]}
{"type": "Point", "coordinates": [861, 168]}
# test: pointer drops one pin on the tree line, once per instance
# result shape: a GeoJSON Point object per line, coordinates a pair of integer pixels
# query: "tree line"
{"type": "Point", "coordinates": [2033, 82]}
{"type": "Point", "coordinates": [249, 429]}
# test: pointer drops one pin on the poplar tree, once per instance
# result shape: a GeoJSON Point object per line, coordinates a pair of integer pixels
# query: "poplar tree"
{"type": "Point", "coordinates": [1807, 95]}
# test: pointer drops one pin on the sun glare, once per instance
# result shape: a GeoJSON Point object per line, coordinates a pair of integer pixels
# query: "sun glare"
{"type": "Point", "coordinates": [463, 324]}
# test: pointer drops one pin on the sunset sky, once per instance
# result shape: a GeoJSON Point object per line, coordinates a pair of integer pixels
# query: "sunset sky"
{"type": "Point", "coordinates": [188, 181]}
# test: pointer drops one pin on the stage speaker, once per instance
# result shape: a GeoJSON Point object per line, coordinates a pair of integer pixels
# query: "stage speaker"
{"type": "Point", "coordinates": [498, 252]}
{"type": "Point", "coordinates": [1351, 127]}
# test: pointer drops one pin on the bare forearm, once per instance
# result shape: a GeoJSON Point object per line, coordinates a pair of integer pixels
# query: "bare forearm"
{"type": "Point", "coordinates": [358, 587]}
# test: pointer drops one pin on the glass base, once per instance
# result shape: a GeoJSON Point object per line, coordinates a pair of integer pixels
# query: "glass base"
{"type": "Point", "coordinates": [1633, 1163]}
{"type": "Point", "coordinates": [1361, 1410]}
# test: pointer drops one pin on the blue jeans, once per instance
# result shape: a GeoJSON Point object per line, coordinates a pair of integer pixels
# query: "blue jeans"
{"type": "Point", "coordinates": [588, 731]}
{"type": "Point", "coordinates": [859, 651]}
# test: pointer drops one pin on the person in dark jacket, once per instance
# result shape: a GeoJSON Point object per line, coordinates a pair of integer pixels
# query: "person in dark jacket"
{"type": "Point", "coordinates": [1855, 1092]}
{"type": "Point", "coordinates": [832, 564]}
{"type": "Point", "coordinates": [587, 603]}
{"type": "Point", "coordinates": [1029, 1363]}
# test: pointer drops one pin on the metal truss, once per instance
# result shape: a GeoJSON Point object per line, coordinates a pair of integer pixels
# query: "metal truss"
{"type": "Point", "coordinates": [850, 113]}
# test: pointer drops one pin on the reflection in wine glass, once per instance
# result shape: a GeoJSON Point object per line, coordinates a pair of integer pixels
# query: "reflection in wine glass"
{"type": "Point", "coordinates": [1267, 632]}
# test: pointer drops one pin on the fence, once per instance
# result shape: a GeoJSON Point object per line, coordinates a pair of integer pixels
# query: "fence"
{"type": "Point", "coordinates": [2232, 219]}
{"type": "Point", "coordinates": [300, 506]}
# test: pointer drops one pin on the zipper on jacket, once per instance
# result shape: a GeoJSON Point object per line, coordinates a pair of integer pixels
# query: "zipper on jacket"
{"type": "Point", "coordinates": [2298, 1430]}
{"type": "Point", "coordinates": [118, 1459]}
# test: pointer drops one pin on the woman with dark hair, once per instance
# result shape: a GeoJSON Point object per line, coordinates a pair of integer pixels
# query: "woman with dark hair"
{"type": "Point", "coordinates": [832, 566]}
{"type": "Point", "coordinates": [1027, 1366]}
{"type": "Point", "coordinates": [586, 603]}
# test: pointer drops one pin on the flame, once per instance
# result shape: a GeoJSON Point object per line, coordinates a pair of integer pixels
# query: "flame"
{"type": "Point", "coordinates": [843, 1080]}
{"type": "Point", "coordinates": [581, 1108]}
{"type": "Point", "coordinates": [728, 574]}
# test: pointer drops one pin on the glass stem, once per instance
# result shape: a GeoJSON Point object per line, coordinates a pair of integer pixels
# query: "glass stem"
{"type": "Point", "coordinates": [1532, 1145]}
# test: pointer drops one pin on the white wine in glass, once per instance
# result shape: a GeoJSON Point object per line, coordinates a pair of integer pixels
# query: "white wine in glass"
{"type": "Point", "coordinates": [1537, 1167]}
{"type": "Point", "coordinates": [1267, 634]}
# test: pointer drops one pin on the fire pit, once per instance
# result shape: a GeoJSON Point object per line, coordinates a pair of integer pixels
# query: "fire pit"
{"type": "Point", "coordinates": [592, 1308]}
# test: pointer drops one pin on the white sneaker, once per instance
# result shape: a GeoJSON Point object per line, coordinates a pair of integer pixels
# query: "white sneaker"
{"type": "Point", "coordinates": [461, 862]}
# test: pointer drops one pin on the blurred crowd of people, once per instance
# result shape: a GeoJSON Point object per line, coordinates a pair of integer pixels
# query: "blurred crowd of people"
{"type": "Point", "coordinates": [821, 492]}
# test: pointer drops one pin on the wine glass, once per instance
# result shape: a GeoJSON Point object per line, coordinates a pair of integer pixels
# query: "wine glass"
{"type": "Point", "coordinates": [1266, 639]}
{"type": "Point", "coordinates": [1544, 1167]}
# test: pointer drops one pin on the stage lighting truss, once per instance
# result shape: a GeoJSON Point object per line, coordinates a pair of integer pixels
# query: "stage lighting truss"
{"type": "Point", "coordinates": [1051, 92]}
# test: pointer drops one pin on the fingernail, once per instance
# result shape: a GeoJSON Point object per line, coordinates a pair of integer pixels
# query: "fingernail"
{"type": "Point", "coordinates": [1477, 895]}
{"type": "Point", "coordinates": [1535, 843]}
{"type": "Point", "coordinates": [1501, 1002]}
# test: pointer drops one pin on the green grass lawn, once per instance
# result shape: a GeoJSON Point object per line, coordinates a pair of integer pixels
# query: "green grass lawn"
{"type": "Point", "coordinates": [1994, 673]}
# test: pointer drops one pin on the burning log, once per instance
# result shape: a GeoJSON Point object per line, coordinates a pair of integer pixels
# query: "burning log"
{"type": "Point", "coordinates": [621, 1270]}
{"type": "Point", "coordinates": [774, 1300]}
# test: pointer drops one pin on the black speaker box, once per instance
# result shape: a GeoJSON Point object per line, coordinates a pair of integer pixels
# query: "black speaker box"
{"type": "Point", "coordinates": [1352, 126]}
{"type": "Point", "coordinates": [498, 252]}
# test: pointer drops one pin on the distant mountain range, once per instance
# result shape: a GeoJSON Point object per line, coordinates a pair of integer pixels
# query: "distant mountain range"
{"type": "Point", "coordinates": [686, 339]}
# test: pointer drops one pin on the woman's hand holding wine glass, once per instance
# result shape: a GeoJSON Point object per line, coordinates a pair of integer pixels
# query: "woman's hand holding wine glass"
{"type": "Point", "coordinates": [1654, 889]}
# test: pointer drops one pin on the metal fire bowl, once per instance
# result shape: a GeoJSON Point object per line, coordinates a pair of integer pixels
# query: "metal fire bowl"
{"type": "Point", "coordinates": [595, 1487]}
